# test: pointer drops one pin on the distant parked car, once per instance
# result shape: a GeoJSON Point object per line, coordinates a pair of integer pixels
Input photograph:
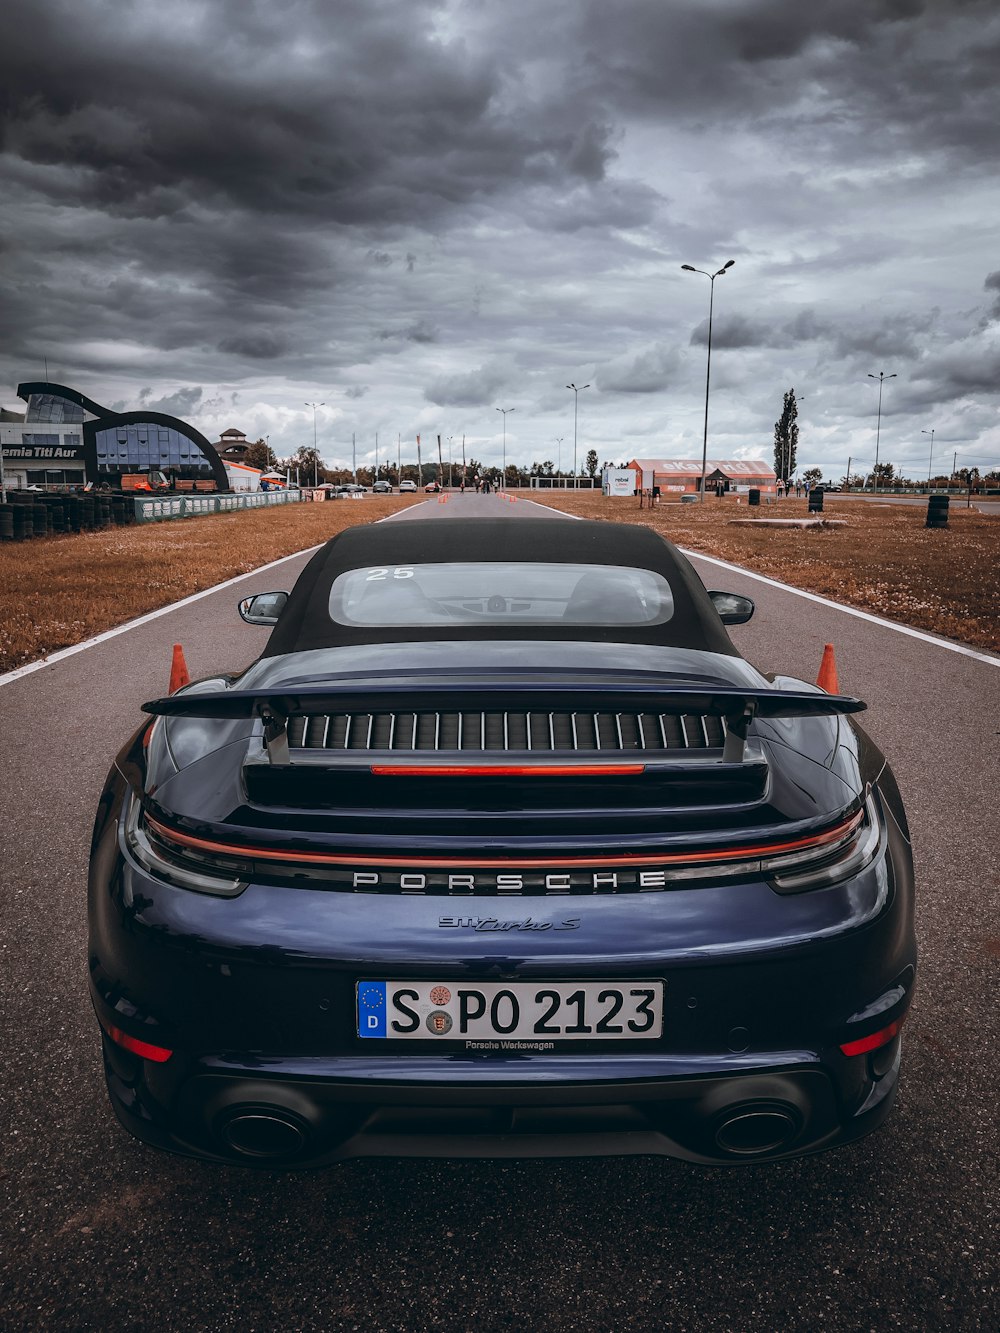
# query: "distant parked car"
{"type": "Point", "coordinates": [407, 486]}
{"type": "Point", "coordinates": [349, 489]}
{"type": "Point", "coordinates": [432, 487]}
{"type": "Point", "coordinates": [382, 488]}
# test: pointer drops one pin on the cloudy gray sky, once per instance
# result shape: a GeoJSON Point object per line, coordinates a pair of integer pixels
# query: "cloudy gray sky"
{"type": "Point", "coordinates": [418, 211]}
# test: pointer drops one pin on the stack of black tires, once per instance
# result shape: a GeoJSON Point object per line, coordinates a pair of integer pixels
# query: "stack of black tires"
{"type": "Point", "coordinates": [33, 514]}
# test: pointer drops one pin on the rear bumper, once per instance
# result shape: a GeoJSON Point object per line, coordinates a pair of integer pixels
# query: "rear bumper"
{"type": "Point", "coordinates": [299, 1114]}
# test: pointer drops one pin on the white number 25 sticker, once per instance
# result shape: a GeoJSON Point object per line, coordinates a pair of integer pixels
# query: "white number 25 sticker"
{"type": "Point", "coordinates": [376, 575]}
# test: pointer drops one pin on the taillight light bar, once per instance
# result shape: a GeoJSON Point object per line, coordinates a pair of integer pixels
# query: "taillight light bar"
{"type": "Point", "coordinates": [816, 842]}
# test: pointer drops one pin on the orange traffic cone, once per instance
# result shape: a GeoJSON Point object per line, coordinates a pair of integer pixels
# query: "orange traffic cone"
{"type": "Point", "coordinates": [827, 678]}
{"type": "Point", "coordinates": [179, 676]}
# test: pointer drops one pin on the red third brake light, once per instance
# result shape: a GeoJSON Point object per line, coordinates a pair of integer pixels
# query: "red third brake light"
{"type": "Point", "coordinates": [143, 1048]}
{"type": "Point", "coordinates": [507, 770]}
{"type": "Point", "coordinates": [872, 1043]}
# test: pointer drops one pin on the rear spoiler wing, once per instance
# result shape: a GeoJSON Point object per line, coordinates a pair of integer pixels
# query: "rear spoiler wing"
{"type": "Point", "coordinates": [737, 705]}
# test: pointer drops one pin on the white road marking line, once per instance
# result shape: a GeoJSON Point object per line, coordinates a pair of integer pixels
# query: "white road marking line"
{"type": "Point", "coordinates": [26, 670]}
{"type": "Point", "coordinates": [848, 610]}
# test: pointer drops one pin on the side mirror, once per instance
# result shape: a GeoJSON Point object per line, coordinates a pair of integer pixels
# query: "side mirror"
{"type": "Point", "coordinates": [263, 608]}
{"type": "Point", "coordinates": [732, 608]}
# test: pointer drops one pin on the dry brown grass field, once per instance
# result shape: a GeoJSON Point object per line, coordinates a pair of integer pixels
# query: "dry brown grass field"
{"type": "Point", "coordinates": [60, 590]}
{"type": "Point", "coordinates": [56, 591]}
{"type": "Point", "coordinates": [883, 560]}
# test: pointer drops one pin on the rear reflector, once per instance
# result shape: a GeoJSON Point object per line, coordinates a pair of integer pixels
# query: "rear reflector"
{"type": "Point", "coordinates": [872, 1043]}
{"type": "Point", "coordinates": [143, 1048]}
{"type": "Point", "coordinates": [507, 770]}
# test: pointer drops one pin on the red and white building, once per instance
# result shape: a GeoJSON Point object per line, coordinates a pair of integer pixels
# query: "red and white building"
{"type": "Point", "coordinates": [739, 475]}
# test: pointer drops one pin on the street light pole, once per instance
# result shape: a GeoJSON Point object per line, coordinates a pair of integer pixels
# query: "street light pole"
{"type": "Point", "coordinates": [559, 440]}
{"type": "Point", "coordinates": [689, 268]}
{"type": "Point", "coordinates": [930, 459]}
{"type": "Point", "coordinates": [503, 475]}
{"type": "Point", "coordinates": [878, 426]}
{"type": "Point", "coordinates": [315, 451]}
{"type": "Point", "coordinates": [576, 410]}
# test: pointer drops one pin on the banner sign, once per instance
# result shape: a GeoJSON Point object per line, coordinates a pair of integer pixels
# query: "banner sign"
{"type": "Point", "coordinates": [194, 506]}
{"type": "Point", "coordinates": [619, 481]}
{"type": "Point", "coordinates": [42, 453]}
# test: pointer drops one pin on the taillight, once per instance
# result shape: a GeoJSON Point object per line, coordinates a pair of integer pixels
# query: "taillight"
{"type": "Point", "coordinates": [819, 867]}
{"type": "Point", "coordinates": [181, 866]}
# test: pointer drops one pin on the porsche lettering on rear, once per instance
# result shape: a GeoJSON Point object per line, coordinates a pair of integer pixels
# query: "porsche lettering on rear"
{"type": "Point", "coordinates": [517, 882]}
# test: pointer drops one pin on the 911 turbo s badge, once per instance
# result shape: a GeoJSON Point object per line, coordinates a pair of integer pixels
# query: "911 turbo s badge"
{"type": "Point", "coordinates": [490, 923]}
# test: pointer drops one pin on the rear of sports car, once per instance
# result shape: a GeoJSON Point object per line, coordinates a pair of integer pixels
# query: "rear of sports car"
{"type": "Point", "coordinates": [519, 897]}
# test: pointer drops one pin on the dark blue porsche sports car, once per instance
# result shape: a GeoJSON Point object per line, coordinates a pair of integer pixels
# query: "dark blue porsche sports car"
{"type": "Point", "coordinates": [500, 848]}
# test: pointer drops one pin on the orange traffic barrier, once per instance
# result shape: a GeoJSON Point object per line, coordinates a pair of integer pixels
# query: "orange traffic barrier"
{"type": "Point", "coordinates": [179, 676]}
{"type": "Point", "coordinates": [827, 678]}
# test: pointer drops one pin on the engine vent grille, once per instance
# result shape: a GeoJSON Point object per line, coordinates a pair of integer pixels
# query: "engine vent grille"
{"type": "Point", "coordinates": [498, 733]}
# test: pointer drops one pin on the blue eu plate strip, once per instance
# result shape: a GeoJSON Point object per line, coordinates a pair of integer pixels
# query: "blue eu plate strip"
{"type": "Point", "coordinates": [371, 1008]}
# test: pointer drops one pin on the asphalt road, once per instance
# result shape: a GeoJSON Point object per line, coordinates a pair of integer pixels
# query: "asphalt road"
{"type": "Point", "coordinates": [897, 1231]}
{"type": "Point", "coordinates": [958, 503]}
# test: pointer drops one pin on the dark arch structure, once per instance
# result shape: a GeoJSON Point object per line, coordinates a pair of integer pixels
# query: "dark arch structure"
{"type": "Point", "coordinates": [149, 441]}
{"type": "Point", "coordinates": [41, 389]}
{"type": "Point", "coordinates": [117, 442]}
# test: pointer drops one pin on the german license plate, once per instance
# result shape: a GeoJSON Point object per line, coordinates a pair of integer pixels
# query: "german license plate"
{"type": "Point", "coordinates": [505, 1014]}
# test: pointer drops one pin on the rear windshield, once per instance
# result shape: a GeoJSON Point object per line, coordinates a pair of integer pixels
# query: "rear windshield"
{"type": "Point", "coordinates": [500, 593]}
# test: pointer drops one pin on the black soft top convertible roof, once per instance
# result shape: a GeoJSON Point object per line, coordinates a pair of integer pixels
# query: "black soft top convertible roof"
{"type": "Point", "coordinates": [306, 623]}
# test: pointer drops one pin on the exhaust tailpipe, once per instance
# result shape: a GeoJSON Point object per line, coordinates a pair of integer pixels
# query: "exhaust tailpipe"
{"type": "Point", "coordinates": [755, 1128]}
{"type": "Point", "coordinates": [263, 1132]}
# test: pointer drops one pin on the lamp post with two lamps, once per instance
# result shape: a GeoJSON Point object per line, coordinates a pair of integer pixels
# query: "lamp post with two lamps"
{"type": "Point", "coordinates": [503, 475]}
{"type": "Point", "coordinates": [315, 451]}
{"type": "Point", "coordinates": [576, 411]}
{"type": "Point", "coordinates": [881, 376]}
{"type": "Point", "coordinates": [689, 268]}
